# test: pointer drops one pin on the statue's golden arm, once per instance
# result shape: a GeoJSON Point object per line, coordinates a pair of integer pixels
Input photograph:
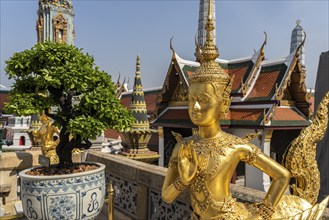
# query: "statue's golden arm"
{"type": "Point", "coordinates": [169, 191]}
{"type": "Point", "coordinates": [280, 175]}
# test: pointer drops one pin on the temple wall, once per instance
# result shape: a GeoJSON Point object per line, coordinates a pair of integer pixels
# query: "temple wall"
{"type": "Point", "coordinates": [11, 163]}
{"type": "Point", "coordinates": [138, 188]}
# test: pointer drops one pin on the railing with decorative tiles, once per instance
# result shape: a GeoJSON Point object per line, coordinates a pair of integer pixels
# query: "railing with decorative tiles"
{"type": "Point", "coordinates": [137, 189]}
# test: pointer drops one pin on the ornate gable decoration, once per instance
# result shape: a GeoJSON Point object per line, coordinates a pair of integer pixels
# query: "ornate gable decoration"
{"type": "Point", "coordinates": [180, 94]}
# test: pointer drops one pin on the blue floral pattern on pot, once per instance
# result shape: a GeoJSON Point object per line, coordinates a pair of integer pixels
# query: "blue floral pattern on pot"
{"type": "Point", "coordinates": [74, 196]}
{"type": "Point", "coordinates": [62, 207]}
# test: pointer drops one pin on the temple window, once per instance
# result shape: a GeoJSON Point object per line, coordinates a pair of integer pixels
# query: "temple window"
{"type": "Point", "coordinates": [60, 35]}
{"type": "Point", "coordinates": [60, 29]}
{"type": "Point", "coordinates": [22, 141]}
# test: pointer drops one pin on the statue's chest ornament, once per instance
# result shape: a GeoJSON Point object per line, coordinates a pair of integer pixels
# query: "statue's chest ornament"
{"type": "Point", "coordinates": [210, 153]}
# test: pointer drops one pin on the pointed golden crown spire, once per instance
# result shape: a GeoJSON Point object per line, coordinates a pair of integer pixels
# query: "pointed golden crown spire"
{"type": "Point", "coordinates": [209, 70]}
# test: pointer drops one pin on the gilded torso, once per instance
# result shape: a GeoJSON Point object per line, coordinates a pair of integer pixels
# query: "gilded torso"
{"type": "Point", "coordinates": [217, 159]}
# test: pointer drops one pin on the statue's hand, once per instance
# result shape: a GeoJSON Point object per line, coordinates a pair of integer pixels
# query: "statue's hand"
{"type": "Point", "coordinates": [187, 163]}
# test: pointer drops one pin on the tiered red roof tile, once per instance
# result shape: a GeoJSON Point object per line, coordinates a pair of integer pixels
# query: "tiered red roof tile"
{"type": "Point", "coordinates": [244, 114]}
{"type": "Point", "coordinates": [150, 101]}
{"type": "Point", "coordinates": [264, 84]}
{"type": "Point", "coordinates": [238, 74]}
{"type": "Point", "coordinates": [286, 114]}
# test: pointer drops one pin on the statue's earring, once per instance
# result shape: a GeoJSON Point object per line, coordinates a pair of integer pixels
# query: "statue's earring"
{"type": "Point", "coordinates": [225, 107]}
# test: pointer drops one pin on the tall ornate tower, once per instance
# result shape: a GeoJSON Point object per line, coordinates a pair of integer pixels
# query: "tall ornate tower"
{"type": "Point", "coordinates": [297, 37]}
{"type": "Point", "coordinates": [203, 16]}
{"type": "Point", "coordinates": [55, 21]}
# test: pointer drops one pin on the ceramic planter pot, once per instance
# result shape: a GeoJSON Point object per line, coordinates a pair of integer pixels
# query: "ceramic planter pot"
{"type": "Point", "coordinates": [72, 196]}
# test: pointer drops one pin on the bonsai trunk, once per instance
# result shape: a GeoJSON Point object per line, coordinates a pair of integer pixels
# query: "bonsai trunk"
{"type": "Point", "coordinates": [65, 147]}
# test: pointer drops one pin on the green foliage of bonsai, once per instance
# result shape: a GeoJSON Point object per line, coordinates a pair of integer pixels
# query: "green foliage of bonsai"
{"type": "Point", "coordinates": [61, 77]}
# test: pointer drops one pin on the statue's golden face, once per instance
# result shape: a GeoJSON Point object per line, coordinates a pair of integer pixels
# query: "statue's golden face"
{"type": "Point", "coordinates": [204, 104]}
{"type": "Point", "coordinates": [44, 119]}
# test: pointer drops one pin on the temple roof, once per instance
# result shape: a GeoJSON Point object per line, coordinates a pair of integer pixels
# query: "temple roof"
{"type": "Point", "coordinates": [275, 117]}
{"type": "Point", "coordinates": [261, 88]}
{"type": "Point", "coordinates": [151, 97]}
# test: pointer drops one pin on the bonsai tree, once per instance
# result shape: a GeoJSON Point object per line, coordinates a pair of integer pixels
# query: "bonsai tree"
{"type": "Point", "coordinates": [62, 77]}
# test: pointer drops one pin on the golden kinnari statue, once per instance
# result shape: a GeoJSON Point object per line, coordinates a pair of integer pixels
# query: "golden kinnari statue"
{"type": "Point", "coordinates": [205, 162]}
{"type": "Point", "coordinates": [48, 136]}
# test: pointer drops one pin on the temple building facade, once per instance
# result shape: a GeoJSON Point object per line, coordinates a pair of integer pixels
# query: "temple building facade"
{"type": "Point", "coordinates": [55, 21]}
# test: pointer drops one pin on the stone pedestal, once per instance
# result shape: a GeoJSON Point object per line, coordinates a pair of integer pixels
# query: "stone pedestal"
{"type": "Point", "coordinates": [161, 146]}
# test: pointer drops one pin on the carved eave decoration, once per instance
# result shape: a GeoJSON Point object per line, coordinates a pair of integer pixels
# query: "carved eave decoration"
{"type": "Point", "coordinates": [253, 75]}
{"type": "Point", "coordinates": [60, 28]}
{"type": "Point", "coordinates": [268, 115]}
{"type": "Point", "coordinates": [180, 95]}
{"type": "Point", "coordinates": [174, 86]}
{"type": "Point", "coordinates": [293, 88]}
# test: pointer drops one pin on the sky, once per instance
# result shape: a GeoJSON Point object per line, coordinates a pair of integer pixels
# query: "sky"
{"type": "Point", "coordinates": [115, 31]}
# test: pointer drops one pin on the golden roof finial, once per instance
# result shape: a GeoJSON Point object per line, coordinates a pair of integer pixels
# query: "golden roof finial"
{"type": "Point", "coordinates": [172, 48]}
{"type": "Point", "coordinates": [209, 70]}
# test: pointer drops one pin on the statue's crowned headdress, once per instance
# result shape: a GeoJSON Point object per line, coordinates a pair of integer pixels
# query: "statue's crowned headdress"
{"type": "Point", "coordinates": [209, 70]}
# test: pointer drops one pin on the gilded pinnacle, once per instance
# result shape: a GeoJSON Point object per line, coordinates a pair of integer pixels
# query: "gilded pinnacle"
{"type": "Point", "coordinates": [209, 70]}
{"type": "Point", "coordinates": [210, 51]}
{"type": "Point", "coordinates": [137, 104]}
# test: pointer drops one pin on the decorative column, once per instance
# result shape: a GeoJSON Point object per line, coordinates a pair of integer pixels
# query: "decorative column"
{"type": "Point", "coordinates": [1, 141]}
{"type": "Point", "coordinates": [161, 146]}
{"type": "Point", "coordinates": [136, 138]}
{"type": "Point", "coordinates": [256, 178]}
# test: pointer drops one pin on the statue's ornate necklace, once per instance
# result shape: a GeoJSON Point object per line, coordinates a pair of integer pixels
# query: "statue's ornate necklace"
{"type": "Point", "coordinates": [205, 149]}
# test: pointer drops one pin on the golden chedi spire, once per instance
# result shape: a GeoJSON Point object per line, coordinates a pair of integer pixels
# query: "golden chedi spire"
{"type": "Point", "coordinates": [209, 70]}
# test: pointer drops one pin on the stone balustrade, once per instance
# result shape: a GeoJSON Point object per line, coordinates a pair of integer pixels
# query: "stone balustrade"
{"type": "Point", "coordinates": [138, 187]}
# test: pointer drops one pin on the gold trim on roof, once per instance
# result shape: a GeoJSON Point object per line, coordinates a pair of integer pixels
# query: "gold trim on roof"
{"type": "Point", "coordinates": [252, 76]}
{"type": "Point", "coordinates": [280, 91]}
